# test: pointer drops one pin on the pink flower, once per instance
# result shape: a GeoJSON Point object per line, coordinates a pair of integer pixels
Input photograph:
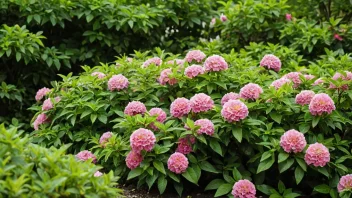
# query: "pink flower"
{"type": "Point", "coordinates": [105, 138]}
{"type": "Point", "coordinates": [280, 82]}
{"type": "Point", "coordinates": [251, 91]}
{"type": "Point", "coordinates": [41, 119]}
{"type": "Point", "coordinates": [142, 139]}
{"type": "Point", "coordinates": [288, 17]}
{"type": "Point", "coordinates": [47, 105]}
{"type": "Point", "coordinates": [206, 126]}
{"type": "Point", "coordinates": [229, 96]}
{"type": "Point", "coordinates": [176, 61]}
{"type": "Point", "coordinates": [129, 60]}
{"type": "Point", "coordinates": [201, 103]}
{"type": "Point", "coordinates": [304, 97]}
{"type": "Point", "coordinates": [98, 174]}
{"type": "Point", "coordinates": [180, 107]}
{"type": "Point", "coordinates": [161, 116]}
{"type": "Point", "coordinates": [270, 61]}
{"type": "Point", "coordinates": [177, 163]}
{"type": "Point", "coordinates": [234, 111]}
{"type": "Point", "coordinates": [223, 18]}
{"type": "Point", "coordinates": [317, 155]}
{"type": "Point", "coordinates": [318, 81]}
{"type": "Point", "coordinates": [135, 107]}
{"type": "Point", "coordinates": [193, 71]}
{"type": "Point", "coordinates": [338, 37]}
{"type": "Point", "coordinates": [294, 77]}
{"type": "Point", "coordinates": [321, 103]}
{"type": "Point", "coordinates": [156, 61]}
{"type": "Point", "coordinates": [118, 82]}
{"type": "Point", "coordinates": [184, 145]}
{"type": "Point", "coordinates": [86, 155]}
{"type": "Point", "coordinates": [345, 183]}
{"type": "Point", "coordinates": [215, 63]}
{"type": "Point", "coordinates": [243, 189]}
{"type": "Point", "coordinates": [98, 74]}
{"type": "Point", "coordinates": [41, 93]}
{"type": "Point", "coordinates": [309, 76]}
{"type": "Point", "coordinates": [338, 76]}
{"type": "Point", "coordinates": [133, 160]}
{"type": "Point", "coordinates": [164, 77]}
{"type": "Point", "coordinates": [195, 55]}
{"type": "Point", "coordinates": [57, 99]}
{"type": "Point", "coordinates": [293, 141]}
{"type": "Point", "coordinates": [212, 22]}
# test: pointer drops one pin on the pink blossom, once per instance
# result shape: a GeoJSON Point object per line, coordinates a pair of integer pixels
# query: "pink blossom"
{"type": "Point", "coordinates": [345, 183]}
{"type": "Point", "coordinates": [105, 138]}
{"type": "Point", "coordinates": [293, 141]}
{"type": "Point", "coordinates": [201, 103]}
{"type": "Point", "coordinates": [223, 18]}
{"type": "Point", "coordinates": [41, 119]}
{"type": "Point", "coordinates": [193, 71]}
{"type": "Point", "coordinates": [212, 22]}
{"type": "Point", "coordinates": [100, 75]}
{"type": "Point", "coordinates": [317, 155]}
{"type": "Point", "coordinates": [294, 77]}
{"type": "Point", "coordinates": [195, 55]}
{"type": "Point", "coordinates": [304, 97]}
{"type": "Point", "coordinates": [41, 93]}
{"type": "Point", "coordinates": [280, 82]}
{"type": "Point", "coordinates": [57, 99]}
{"type": "Point", "coordinates": [142, 139]}
{"type": "Point", "coordinates": [180, 107]}
{"type": "Point", "coordinates": [251, 91]}
{"type": "Point", "coordinates": [338, 37]}
{"type": "Point", "coordinates": [270, 61]}
{"type": "Point", "coordinates": [135, 107]}
{"type": "Point", "coordinates": [184, 145]}
{"type": "Point", "coordinates": [133, 160]}
{"type": "Point", "coordinates": [206, 126]}
{"type": "Point", "coordinates": [164, 77]}
{"type": "Point", "coordinates": [161, 116]}
{"type": "Point", "coordinates": [309, 76]}
{"type": "Point", "coordinates": [243, 189]}
{"type": "Point", "coordinates": [176, 61]}
{"type": "Point", "coordinates": [98, 174]}
{"type": "Point", "coordinates": [129, 60]}
{"type": "Point", "coordinates": [321, 103]}
{"type": "Point", "coordinates": [229, 96]}
{"type": "Point", "coordinates": [177, 163]}
{"type": "Point", "coordinates": [215, 63]}
{"type": "Point", "coordinates": [318, 81]}
{"type": "Point", "coordinates": [234, 111]}
{"type": "Point", "coordinates": [86, 155]}
{"type": "Point", "coordinates": [47, 105]}
{"type": "Point", "coordinates": [118, 82]}
{"type": "Point", "coordinates": [156, 61]}
{"type": "Point", "coordinates": [338, 76]}
{"type": "Point", "coordinates": [288, 17]}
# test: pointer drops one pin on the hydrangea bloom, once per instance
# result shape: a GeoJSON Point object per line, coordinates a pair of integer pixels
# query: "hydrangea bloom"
{"type": "Point", "coordinates": [105, 138]}
{"type": "Point", "coordinates": [156, 60]}
{"type": "Point", "coordinates": [280, 82]}
{"type": "Point", "coordinates": [41, 93]}
{"type": "Point", "coordinates": [41, 119]}
{"type": "Point", "coordinates": [133, 160]}
{"type": "Point", "coordinates": [345, 183]}
{"type": "Point", "coordinates": [161, 116]}
{"type": "Point", "coordinates": [229, 96]}
{"type": "Point", "coordinates": [270, 61]}
{"type": "Point", "coordinates": [47, 104]}
{"type": "Point", "coordinates": [251, 91]}
{"type": "Point", "coordinates": [288, 17]}
{"type": "Point", "coordinates": [86, 155]}
{"type": "Point", "coordinates": [193, 71]}
{"type": "Point", "coordinates": [338, 37]}
{"type": "Point", "coordinates": [184, 145]}
{"type": "Point", "coordinates": [243, 189]}
{"type": "Point", "coordinates": [338, 76]}
{"type": "Point", "coordinates": [294, 77]}
{"type": "Point", "coordinates": [180, 107]}
{"type": "Point", "coordinates": [304, 97]}
{"type": "Point", "coordinates": [321, 103]}
{"type": "Point", "coordinates": [206, 126]}
{"type": "Point", "coordinates": [317, 155]}
{"type": "Point", "coordinates": [177, 163]}
{"type": "Point", "coordinates": [195, 55]}
{"type": "Point", "coordinates": [293, 141]}
{"type": "Point", "coordinates": [57, 99]}
{"type": "Point", "coordinates": [215, 63]}
{"type": "Point", "coordinates": [164, 77]}
{"type": "Point", "coordinates": [98, 174]}
{"type": "Point", "coordinates": [223, 18]}
{"type": "Point", "coordinates": [234, 111]}
{"type": "Point", "coordinates": [201, 103]}
{"type": "Point", "coordinates": [142, 139]}
{"type": "Point", "coordinates": [100, 75]}
{"type": "Point", "coordinates": [309, 76]}
{"type": "Point", "coordinates": [176, 61]}
{"type": "Point", "coordinates": [117, 82]}
{"type": "Point", "coordinates": [134, 108]}
{"type": "Point", "coordinates": [318, 82]}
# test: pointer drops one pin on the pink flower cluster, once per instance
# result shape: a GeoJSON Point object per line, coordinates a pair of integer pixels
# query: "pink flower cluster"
{"type": "Point", "coordinates": [184, 145]}
{"type": "Point", "coordinates": [243, 189]}
{"type": "Point", "coordinates": [338, 76]}
{"type": "Point", "coordinates": [280, 82]}
{"type": "Point", "coordinates": [161, 116]}
{"type": "Point", "coordinates": [41, 119]}
{"type": "Point", "coordinates": [309, 76]}
{"type": "Point", "coordinates": [41, 93]}
{"type": "Point", "coordinates": [304, 97]}
{"type": "Point", "coordinates": [193, 71]}
{"type": "Point", "coordinates": [133, 159]}
{"type": "Point", "coordinates": [317, 155]}
{"type": "Point", "coordinates": [47, 105]}
{"type": "Point", "coordinates": [288, 17]}
{"type": "Point", "coordinates": [195, 55]}
{"type": "Point", "coordinates": [142, 139]}
{"type": "Point", "coordinates": [164, 77]}
{"type": "Point", "coordinates": [177, 163]}
{"type": "Point", "coordinates": [215, 63]}
{"type": "Point", "coordinates": [294, 77]}
{"type": "Point", "coordinates": [320, 104]}
{"type": "Point", "coordinates": [180, 107]}
{"type": "Point", "coordinates": [229, 96]}
{"type": "Point", "coordinates": [100, 75]}
{"type": "Point", "coordinates": [201, 103]}
{"type": "Point", "coordinates": [156, 61]}
{"type": "Point", "coordinates": [118, 82]}
{"type": "Point", "coordinates": [234, 111]}
{"type": "Point", "coordinates": [206, 126]}
{"type": "Point", "coordinates": [135, 107]}
{"type": "Point", "coordinates": [98, 174]}
{"type": "Point", "coordinates": [293, 141]}
{"type": "Point", "coordinates": [318, 82]}
{"type": "Point", "coordinates": [270, 61]}
{"type": "Point", "coordinates": [86, 155]}
{"type": "Point", "coordinates": [176, 61]}
{"type": "Point", "coordinates": [251, 91]}
{"type": "Point", "coordinates": [105, 138]}
{"type": "Point", "coordinates": [345, 183]}
{"type": "Point", "coordinates": [223, 18]}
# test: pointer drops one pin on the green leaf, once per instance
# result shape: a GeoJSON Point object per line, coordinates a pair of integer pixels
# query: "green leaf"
{"type": "Point", "coordinates": [191, 175]}
{"type": "Point", "coordinates": [276, 117]}
{"type": "Point", "coordinates": [282, 157]}
{"type": "Point", "coordinates": [264, 189]}
{"type": "Point", "coordinates": [215, 146]}
{"type": "Point", "coordinates": [93, 117]}
{"type": "Point", "coordinates": [18, 56]}
{"type": "Point", "coordinates": [316, 120]}
{"type": "Point", "coordinates": [159, 166]}
{"type": "Point", "coordinates": [237, 133]}
{"type": "Point", "coordinates": [162, 183]}
{"type": "Point", "coordinates": [236, 174]}
{"type": "Point", "coordinates": [205, 165]}
{"type": "Point", "coordinates": [179, 188]}
{"type": "Point", "coordinates": [223, 190]}
{"type": "Point", "coordinates": [103, 118]}
{"type": "Point", "coordinates": [323, 188]}
{"type": "Point", "coordinates": [130, 23]}
{"type": "Point", "coordinates": [214, 184]}
{"type": "Point", "coordinates": [299, 174]}
{"type": "Point", "coordinates": [134, 173]}
{"type": "Point", "coordinates": [304, 128]}
{"type": "Point", "coordinates": [266, 164]}
{"type": "Point", "coordinates": [281, 187]}
{"type": "Point", "coordinates": [196, 20]}
{"type": "Point", "coordinates": [89, 18]}
{"type": "Point", "coordinates": [302, 164]}
{"type": "Point", "coordinates": [266, 155]}
{"type": "Point", "coordinates": [283, 166]}
{"type": "Point", "coordinates": [323, 171]}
